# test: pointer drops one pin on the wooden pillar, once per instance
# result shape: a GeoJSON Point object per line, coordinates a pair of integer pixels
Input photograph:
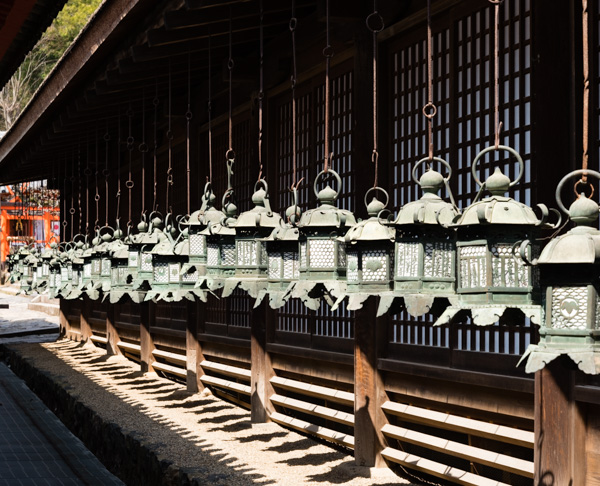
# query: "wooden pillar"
{"type": "Point", "coordinates": [147, 313]}
{"type": "Point", "coordinates": [63, 319]}
{"type": "Point", "coordinates": [560, 435]}
{"type": "Point", "coordinates": [200, 329]}
{"type": "Point", "coordinates": [85, 328]}
{"type": "Point", "coordinates": [369, 392]}
{"type": "Point", "coordinates": [262, 371]}
{"type": "Point", "coordinates": [112, 333]}
{"type": "Point", "coordinates": [191, 347]}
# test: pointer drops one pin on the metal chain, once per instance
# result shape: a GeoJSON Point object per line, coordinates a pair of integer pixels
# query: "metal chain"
{"type": "Point", "coordinates": [375, 25]}
{"type": "Point", "coordinates": [328, 53]}
{"type": "Point", "coordinates": [64, 179]}
{"type": "Point", "coordinates": [72, 209]}
{"type": "Point", "coordinates": [586, 89]}
{"type": "Point", "coordinates": [169, 149]}
{"type": "Point", "coordinates": [155, 102]}
{"type": "Point", "coordinates": [497, 122]}
{"type": "Point", "coordinates": [188, 119]}
{"type": "Point", "coordinates": [430, 109]}
{"type": "Point", "coordinates": [79, 183]}
{"type": "Point", "coordinates": [293, 24]}
{"type": "Point", "coordinates": [261, 93]}
{"type": "Point", "coordinates": [96, 173]}
{"type": "Point", "coordinates": [119, 166]}
{"type": "Point", "coordinates": [209, 109]}
{"type": "Point", "coordinates": [87, 172]}
{"type": "Point", "coordinates": [130, 145]}
{"type": "Point", "coordinates": [143, 148]}
{"type": "Point", "coordinates": [106, 172]}
{"type": "Point", "coordinates": [230, 154]}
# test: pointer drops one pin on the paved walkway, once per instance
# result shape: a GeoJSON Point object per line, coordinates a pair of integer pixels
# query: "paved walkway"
{"type": "Point", "coordinates": [36, 449]}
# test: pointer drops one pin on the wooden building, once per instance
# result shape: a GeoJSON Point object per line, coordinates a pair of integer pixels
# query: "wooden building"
{"type": "Point", "coordinates": [448, 403]}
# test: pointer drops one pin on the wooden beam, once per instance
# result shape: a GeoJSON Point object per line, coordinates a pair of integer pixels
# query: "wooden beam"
{"type": "Point", "coordinates": [312, 429]}
{"type": "Point", "coordinates": [147, 314]}
{"type": "Point", "coordinates": [63, 321]}
{"type": "Point", "coordinates": [261, 368]}
{"type": "Point", "coordinates": [191, 347]}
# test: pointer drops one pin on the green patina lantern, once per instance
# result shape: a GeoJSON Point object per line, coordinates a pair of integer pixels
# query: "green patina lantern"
{"type": "Point", "coordinates": [425, 251]}
{"type": "Point", "coordinates": [29, 264]}
{"type": "Point", "coordinates": [283, 258]}
{"type": "Point", "coordinates": [139, 260]}
{"type": "Point", "coordinates": [369, 255]}
{"type": "Point", "coordinates": [100, 263]}
{"type": "Point", "coordinates": [490, 279]}
{"type": "Point", "coordinates": [197, 246]}
{"type": "Point", "coordinates": [76, 287]}
{"type": "Point", "coordinates": [220, 240]}
{"type": "Point", "coordinates": [252, 228]}
{"type": "Point", "coordinates": [322, 272]}
{"type": "Point", "coordinates": [570, 280]}
{"type": "Point", "coordinates": [166, 265]}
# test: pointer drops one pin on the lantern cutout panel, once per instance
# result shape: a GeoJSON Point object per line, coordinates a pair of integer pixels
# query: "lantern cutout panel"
{"type": "Point", "coordinates": [251, 228]}
{"type": "Point", "coordinates": [369, 255]}
{"type": "Point", "coordinates": [139, 260]}
{"type": "Point", "coordinates": [197, 246]}
{"type": "Point", "coordinates": [569, 275]}
{"type": "Point", "coordinates": [490, 278]}
{"type": "Point", "coordinates": [322, 249]}
{"type": "Point", "coordinates": [283, 258]}
{"type": "Point", "coordinates": [424, 249]}
{"type": "Point", "coordinates": [221, 256]}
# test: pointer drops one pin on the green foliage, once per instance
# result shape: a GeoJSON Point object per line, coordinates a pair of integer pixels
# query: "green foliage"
{"type": "Point", "coordinates": [43, 57]}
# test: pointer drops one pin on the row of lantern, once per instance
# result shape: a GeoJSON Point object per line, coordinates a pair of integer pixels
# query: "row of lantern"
{"type": "Point", "coordinates": [430, 257]}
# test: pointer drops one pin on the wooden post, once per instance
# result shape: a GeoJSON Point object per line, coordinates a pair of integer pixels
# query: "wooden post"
{"type": "Point", "coordinates": [369, 392]}
{"type": "Point", "coordinates": [64, 324]}
{"type": "Point", "coordinates": [262, 370]}
{"type": "Point", "coordinates": [201, 329]}
{"type": "Point", "coordinates": [191, 346]}
{"type": "Point", "coordinates": [84, 323]}
{"type": "Point", "coordinates": [560, 434]}
{"type": "Point", "coordinates": [147, 313]}
{"type": "Point", "coordinates": [112, 333]}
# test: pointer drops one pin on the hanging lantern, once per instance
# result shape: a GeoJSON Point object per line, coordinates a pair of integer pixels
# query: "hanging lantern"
{"type": "Point", "coordinates": [283, 258]}
{"type": "Point", "coordinates": [369, 255]}
{"type": "Point", "coordinates": [194, 244]}
{"type": "Point", "coordinates": [569, 268]}
{"type": "Point", "coordinates": [140, 260]}
{"type": "Point", "coordinates": [251, 229]}
{"type": "Point", "coordinates": [322, 272]}
{"type": "Point", "coordinates": [166, 268]}
{"type": "Point", "coordinates": [99, 258]}
{"type": "Point", "coordinates": [425, 251]}
{"type": "Point", "coordinates": [490, 279]}
{"type": "Point", "coordinates": [220, 239]}
{"type": "Point", "coordinates": [75, 255]}
{"type": "Point", "coordinates": [29, 263]}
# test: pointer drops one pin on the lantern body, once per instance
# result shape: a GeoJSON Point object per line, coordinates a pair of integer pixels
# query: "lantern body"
{"type": "Point", "coordinates": [322, 249]}
{"type": "Point", "coordinates": [490, 278]}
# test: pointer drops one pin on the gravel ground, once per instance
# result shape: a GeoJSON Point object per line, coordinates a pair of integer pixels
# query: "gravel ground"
{"type": "Point", "coordinates": [209, 436]}
{"type": "Point", "coordinates": [18, 321]}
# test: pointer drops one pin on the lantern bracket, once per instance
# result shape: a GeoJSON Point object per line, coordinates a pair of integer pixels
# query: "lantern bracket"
{"type": "Point", "coordinates": [382, 191]}
{"type": "Point", "coordinates": [567, 177]}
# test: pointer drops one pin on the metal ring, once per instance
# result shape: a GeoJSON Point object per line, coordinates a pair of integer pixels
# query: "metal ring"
{"type": "Point", "coordinates": [208, 190]}
{"type": "Point", "coordinates": [97, 197]}
{"type": "Point", "coordinates": [106, 137]}
{"type": "Point", "coordinates": [230, 64]}
{"type": "Point", "coordinates": [427, 159]}
{"type": "Point", "coordinates": [143, 147]}
{"type": "Point", "coordinates": [568, 176]}
{"type": "Point", "coordinates": [129, 184]}
{"type": "Point", "coordinates": [105, 172]}
{"type": "Point", "coordinates": [429, 114]}
{"type": "Point", "coordinates": [263, 183]}
{"type": "Point", "coordinates": [130, 140]}
{"type": "Point", "coordinates": [581, 181]}
{"type": "Point", "coordinates": [169, 135]}
{"type": "Point", "coordinates": [493, 148]}
{"type": "Point", "coordinates": [377, 16]}
{"type": "Point", "coordinates": [335, 175]}
{"type": "Point", "coordinates": [87, 172]}
{"type": "Point", "coordinates": [64, 223]}
{"type": "Point", "coordinates": [293, 24]}
{"type": "Point", "coordinates": [380, 189]}
{"type": "Point", "coordinates": [328, 52]}
{"type": "Point", "coordinates": [188, 115]}
{"type": "Point", "coordinates": [72, 211]}
{"type": "Point", "coordinates": [155, 101]}
{"type": "Point", "coordinates": [230, 154]}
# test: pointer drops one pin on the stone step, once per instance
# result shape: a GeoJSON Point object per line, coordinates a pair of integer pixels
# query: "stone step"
{"type": "Point", "coordinates": [50, 309]}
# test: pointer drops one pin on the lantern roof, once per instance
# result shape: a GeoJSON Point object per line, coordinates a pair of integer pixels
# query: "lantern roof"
{"type": "Point", "coordinates": [207, 213]}
{"type": "Point", "coordinates": [498, 209]}
{"type": "Point", "coordinates": [261, 215]}
{"type": "Point", "coordinates": [371, 229]}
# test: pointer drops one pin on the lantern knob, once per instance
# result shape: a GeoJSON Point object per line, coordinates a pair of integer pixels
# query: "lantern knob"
{"type": "Point", "coordinates": [583, 211]}
{"type": "Point", "coordinates": [431, 181]}
{"type": "Point", "coordinates": [327, 195]}
{"type": "Point", "coordinates": [376, 206]}
{"type": "Point", "coordinates": [260, 193]}
{"type": "Point", "coordinates": [498, 183]}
